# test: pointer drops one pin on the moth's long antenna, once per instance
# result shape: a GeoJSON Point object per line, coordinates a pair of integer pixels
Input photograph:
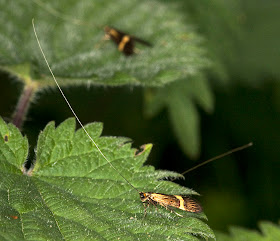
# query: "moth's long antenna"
{"type": "Point", "coordinates": [69, 105]}
{"type": "Point", "coordinates": [216, 157]}
{"type": "Point", "coordinates": [57, 14]}
{"type": "Point", "coordinates": [219, 156]}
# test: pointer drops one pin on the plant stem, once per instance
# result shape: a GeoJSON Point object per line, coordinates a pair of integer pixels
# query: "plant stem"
{"type": "Point", "coordinates": [23, 104]}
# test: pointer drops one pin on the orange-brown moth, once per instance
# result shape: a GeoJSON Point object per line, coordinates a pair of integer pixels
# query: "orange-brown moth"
{"type": "Point", "coordinates": [124, 41]}
{"type": "Point", "coordinates": [183, 202]}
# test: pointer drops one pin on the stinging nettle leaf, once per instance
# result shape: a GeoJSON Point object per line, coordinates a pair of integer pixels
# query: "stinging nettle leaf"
{"type": "Point", "coordinates": [78, 53]}
{"type": "Point", "coordinates": [72, 192]}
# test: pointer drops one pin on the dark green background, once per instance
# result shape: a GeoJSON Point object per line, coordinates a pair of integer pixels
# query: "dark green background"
{"type": "Point", "coordinates": [239, 190]}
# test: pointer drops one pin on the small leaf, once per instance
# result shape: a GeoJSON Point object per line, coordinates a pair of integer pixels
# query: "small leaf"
{"type": "Point", "coordinates": [185, 122]}
{"type": "Point", "coordinates": [73, 193]}
{"type": "Point", "coordinates": [269, 232]}
{"type": "Point", "coordinates": [71, 34]}
{"type": "Point", "coordinates": [14, 150]}
{"type": "Point", "coordinates": [180, 100]}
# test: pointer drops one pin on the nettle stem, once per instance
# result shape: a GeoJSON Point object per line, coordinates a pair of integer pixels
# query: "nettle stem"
{"type": "Point", "coordinates": [24, 103]}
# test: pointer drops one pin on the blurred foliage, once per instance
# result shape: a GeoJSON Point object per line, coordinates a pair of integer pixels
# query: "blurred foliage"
{"type": "Point", "coordinates": [180, 99]}
{"type": "Point", "coordinates": [269, 232]}
{"type": "Point", "coordinates": [241, 39]}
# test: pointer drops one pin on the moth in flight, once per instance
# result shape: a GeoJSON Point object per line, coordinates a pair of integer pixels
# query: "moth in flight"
{"type": "Point", "coordinates": [124, 41]}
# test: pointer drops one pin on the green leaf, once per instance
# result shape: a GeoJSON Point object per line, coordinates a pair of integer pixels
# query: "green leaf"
{"type": "Point", "coordinates": [77, 52]}
{"type": "Point", "coordinates": [180, 99]}
{"type": "Point", "coordinates": [13, 148]}
{"type": "Point", "coordinates": [73, 193]}
{"type": "Point", "coordinates": [221, 24]}
{"type": "Point", "coordinates": [269, 232]}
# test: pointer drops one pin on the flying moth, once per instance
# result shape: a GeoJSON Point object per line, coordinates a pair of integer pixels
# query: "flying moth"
{"type": "Point", "coordinates": [124, 41]}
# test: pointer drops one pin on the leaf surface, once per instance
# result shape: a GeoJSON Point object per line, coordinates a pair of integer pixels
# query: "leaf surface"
{"type": "Point", "coordinates": [71, 34]}
{"type": "Point", "coordinates": [73, 193]}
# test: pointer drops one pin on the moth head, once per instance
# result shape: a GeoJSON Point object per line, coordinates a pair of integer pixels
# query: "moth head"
{"type": "Point", "coordinates": [112, 33]}
{"type": "Point", "coordinates": [107, 29]}
{"type": "Point", "coordinates": [143, 196]}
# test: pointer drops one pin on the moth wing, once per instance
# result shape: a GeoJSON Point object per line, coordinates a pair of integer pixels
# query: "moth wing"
{"type": "Point", "coordinates": [191, 205]}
